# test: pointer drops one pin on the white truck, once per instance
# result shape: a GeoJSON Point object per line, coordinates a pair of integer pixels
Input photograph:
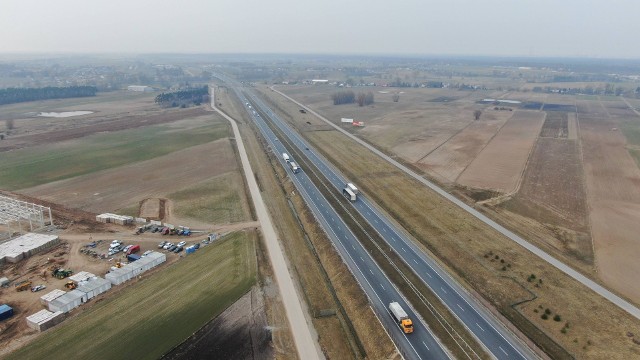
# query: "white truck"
{"type": "Point", "coordinates": [350, 192]}
{"type": "Point", "coordinates": [294, 167]}
{"type": "Point", "coordinates": [285, 156]}
{"type": "Point", "coordinates": [401, 317]}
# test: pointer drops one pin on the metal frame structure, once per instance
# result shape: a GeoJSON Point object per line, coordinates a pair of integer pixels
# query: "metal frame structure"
{"type": "Point", "coordinates": [15, 212]}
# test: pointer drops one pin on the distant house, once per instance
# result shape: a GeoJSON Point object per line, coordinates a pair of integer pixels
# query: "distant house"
{"type": "Point", "coordinates": [319, 81]}
{"type": "Point", "coordinates": [139, 88]}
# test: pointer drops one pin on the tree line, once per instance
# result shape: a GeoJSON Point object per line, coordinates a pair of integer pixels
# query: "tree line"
{"type": "Point", "coordinates": [184, 97]}
{"type": "Point", "coordinates": [18, 95]}
{"type": "Point", "coordinates": [349, 97]}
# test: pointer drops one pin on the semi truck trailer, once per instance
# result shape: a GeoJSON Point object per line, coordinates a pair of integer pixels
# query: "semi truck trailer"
{"type": "Point", "coordinates": [294, 167]}
{"type": "Point", "coordinates": [401, 317]}
{"type": "Point", "coordinates": [285, 156]}
{"type": "Point", "coordinates": [350, 191]}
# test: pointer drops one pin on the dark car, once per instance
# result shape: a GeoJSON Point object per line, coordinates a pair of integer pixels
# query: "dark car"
{"type": "Point", "coordinates": [196, 246]}
{"type": "Point", "coordinates": [173, 247]}
{"type": "Point", "coordinates": [178, 249]}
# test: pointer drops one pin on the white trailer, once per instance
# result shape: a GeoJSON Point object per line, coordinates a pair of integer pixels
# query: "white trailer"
{"type": "Point", "coordinates": [349, 194]}
{"type": "Point", "coordinates": [401, 317]}
{"type": "Point", "coordinates": [285, 156]}
{"type": "Point", "coordinates": [294, 167]}
{"type": "Point", "coordinates": [352, 187]}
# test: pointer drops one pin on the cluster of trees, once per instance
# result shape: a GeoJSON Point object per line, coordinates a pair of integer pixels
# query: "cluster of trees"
{"type": "Point", "coordinates": [607, 89]}
{"type": "Point", "coordinates": [343, 97]}
{"type": "Point", "coordinates": [17, 95]}
{"type": "Point", "coordinates": [184, 97]}
{"type": "Point", "coordinates": [365, 99]}
{"type": "Point", "coordinates": [349, 97]}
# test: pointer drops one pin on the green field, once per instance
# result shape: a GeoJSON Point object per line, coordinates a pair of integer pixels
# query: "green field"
{"type": "Point", "coordinates": [221, 204]}
{"type": "Point", "coordinates": [43, 164]}
{"type": "Point", "coordinates": [151, 317]}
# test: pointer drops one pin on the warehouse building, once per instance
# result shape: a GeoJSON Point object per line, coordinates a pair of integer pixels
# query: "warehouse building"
{"type": "Point", "coordinates": [26, 245]}
{"type": "Point", "coordinates": [131, 270]}
{"type": "Point", "coordinates": [68, 301]}
{"type": "Point", "coordinates": [50, 296]}
{"type": "Point", "coordinates": [94, 287]}
{"type": "Point", "coordinates": [139, 88]}
{"type": "Point", "coordinates": [44, 319]}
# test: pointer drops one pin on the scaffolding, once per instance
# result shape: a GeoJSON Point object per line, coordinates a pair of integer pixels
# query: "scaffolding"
{"type": "Point", "coordinates": [14, 214]}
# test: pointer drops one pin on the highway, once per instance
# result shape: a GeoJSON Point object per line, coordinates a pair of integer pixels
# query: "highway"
{"type": "Point", "coordinates": [500, 342]}
{"type": "Point", "coordinates": [421, 344]}
{"type": "Point", "coordinates": [594, 286]}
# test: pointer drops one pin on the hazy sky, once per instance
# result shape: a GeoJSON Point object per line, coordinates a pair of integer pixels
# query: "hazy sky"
{"type": "Point", "coordinates": [595, 28]}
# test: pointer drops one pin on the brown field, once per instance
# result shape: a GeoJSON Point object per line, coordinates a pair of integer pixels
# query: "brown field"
{"type": "Point", "coordinates": [500, 165]}
{"type": "Point", "coordinates": [613, 188]}
{"type": "Point", "coordinates": [595, 326]}
{"type": "Point", "coordinates": [453, 157]}
{"type": "Point", "coordinates": [109, 190]}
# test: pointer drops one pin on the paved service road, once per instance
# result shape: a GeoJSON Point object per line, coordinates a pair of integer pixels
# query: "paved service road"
{"type": "Point", "coordinates": [421, 344]}
{"type": "Point", "coordinates": [500, 342]}
{"type": "Point", "coordinates": [306, 344]}
{"type": "Point", "coordinates": [599, 289]}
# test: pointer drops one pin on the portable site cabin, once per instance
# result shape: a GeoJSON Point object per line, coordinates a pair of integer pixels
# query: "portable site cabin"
{"type": "Point", "coordinates": [118, 276]}
{"type": "Point", "coordinates": [68, 301]}
{"type": "Point", "coordinates": [94, 287]}
{"type": "Point", "coordinates": [81, 276]}
{"type": "Point", "coordinates": [131, 270]}
{"type": "Point", "coordinates": [50, 296]}
{"type": "Point", "coordinates": [26, 245]}
{"type": "Point", "coordinates": [6, 312]}
{"type": "Point", "coordinates": [44, 319]}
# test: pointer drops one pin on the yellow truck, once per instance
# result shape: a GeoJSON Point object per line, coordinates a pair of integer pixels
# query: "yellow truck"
{"type": "Point", "coordinates": [401, 317]}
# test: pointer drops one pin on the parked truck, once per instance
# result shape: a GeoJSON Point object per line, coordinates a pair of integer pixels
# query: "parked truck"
{"type": "Point", "coordinates": [294, 167]}
{"type": "Point", "coordinates": [401, 317]}
{"type": "Point", "coordinates": [285, 156]}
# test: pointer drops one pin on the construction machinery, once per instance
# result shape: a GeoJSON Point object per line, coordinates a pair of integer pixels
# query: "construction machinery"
{"type": "Point", "coordinates": [23, 285]}
{"type": "Point", "coordinates": [61, 273]}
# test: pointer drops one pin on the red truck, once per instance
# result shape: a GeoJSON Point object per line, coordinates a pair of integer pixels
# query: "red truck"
{"type": "Point", "coordinates": [133, 249]}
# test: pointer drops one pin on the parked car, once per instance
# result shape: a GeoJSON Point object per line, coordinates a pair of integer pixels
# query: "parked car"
{"type": "Point", "coordinates": [173, 247]}
{"type": "Point", "coordinates": [162, 244]}
{"type": "Point", "coordinates": [196, 246]}
{"type": "Point", "coordinates": [126, 248]}
{"type": "Point", "coordinates": [178, 249]}
{"type": "Point", "coordinates": [182, 243]}
{"type": "Point", "coordinates": [38, 288]}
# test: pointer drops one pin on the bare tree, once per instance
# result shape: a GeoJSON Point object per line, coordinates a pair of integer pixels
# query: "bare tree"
{"type": "Point", "coordinates": [396, 97]}
{"type": "Point", "coordinates": [476, 114]}
{"type": "Point", "coordinates": [9, 124]}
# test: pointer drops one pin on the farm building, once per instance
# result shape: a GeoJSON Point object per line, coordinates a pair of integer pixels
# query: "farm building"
{"type": "Point", "coordinates": [139, 88]}
{"type": "Point", "coordinates": [81, 276]}
{"type": "Point", "coordinates": [50, 296]}
{"type": "Point", "coordinates": [94, 287]}
{"type": "Point", "coordinates": [68, 301]}
{"type": "Point", "coordinates": [44, 319]}
{"type": "Point", "coordinates": [26, 245]}
{"type": "Point", "coordinates": [129, 271]}
{"type": "Point", "coordinates": [6, 312]}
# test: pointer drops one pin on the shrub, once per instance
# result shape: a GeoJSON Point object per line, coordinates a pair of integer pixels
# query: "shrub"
{"type": "Point", "coordinates": [557, 318]}
{"type": "Point", "coordinates": [547, 311]}
{"type": "Point", "coordinates": [544, 316]}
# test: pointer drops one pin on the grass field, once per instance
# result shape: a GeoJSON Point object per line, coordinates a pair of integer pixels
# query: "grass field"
{"type": "Point", "coordinates": [43, 164]}
{"type": "Point", "coordinates": [149, 318]}
{"type": "Point", "coordinates": [222, 204]}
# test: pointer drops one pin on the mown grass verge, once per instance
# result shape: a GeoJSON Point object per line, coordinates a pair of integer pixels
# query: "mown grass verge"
{"type": "Point", "coordinates": [149, 318]}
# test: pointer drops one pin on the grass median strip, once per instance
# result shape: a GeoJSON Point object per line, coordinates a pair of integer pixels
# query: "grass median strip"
{"type": "Point", "coordinates": [149, 318]}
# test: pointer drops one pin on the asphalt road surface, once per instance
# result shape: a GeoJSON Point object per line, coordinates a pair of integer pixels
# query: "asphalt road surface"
{"type": "Point", "coordinates": [499, 341]}
{"type": "Point", "coordinates": [594, 286]}
{"type": "Point", "coordinates": [421, 344]}
{"type": "Point", "coordinates": [306, 343]}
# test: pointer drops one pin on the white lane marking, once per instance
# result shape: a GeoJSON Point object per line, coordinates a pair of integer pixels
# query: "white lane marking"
{"type": "Point", "coordinates": [382, 287]}
{"type": "Point", "coordinates": [353, 246]}
{"type": "Point", "coordinates": [403, 249]}
{"type": "Point", "coordinates": [371, 271]}
{"type": "Point", "coordinates": [375, 220]}
{"type": "Point", "coordinates": [480, 327]}
{"type": "Point", "coordinates": [460, 307]}
{"type": "Point", "coordinates": [425, 345]}
{"type": "Point", "coordinates": [445, 291]}
{"type": "Point", "coordinates": [414, 260]}
{"type": "Point", "coordinates": [361, 259]}
{"type": "Point", "coordinates": [500, 347]}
